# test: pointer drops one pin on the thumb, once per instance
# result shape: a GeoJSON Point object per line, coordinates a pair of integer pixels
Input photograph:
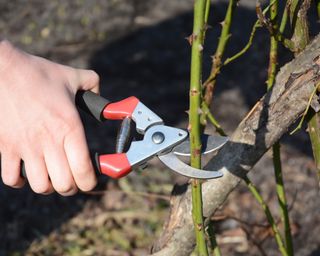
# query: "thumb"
{"type": "Point", "coordinates": [88, 80]}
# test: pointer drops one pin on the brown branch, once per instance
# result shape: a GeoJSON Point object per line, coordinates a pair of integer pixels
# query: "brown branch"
{"type": "Point", "coordinates": [267, 121]}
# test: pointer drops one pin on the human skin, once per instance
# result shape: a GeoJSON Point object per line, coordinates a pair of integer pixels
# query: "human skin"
{"type": "Point", "coordinates": [41, 125]}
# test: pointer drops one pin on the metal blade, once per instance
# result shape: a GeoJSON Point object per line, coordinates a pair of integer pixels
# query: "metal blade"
{"type": "Point", "coordinates": [175, 164]}
{"type": "Point", "coordinates": [210, 143]}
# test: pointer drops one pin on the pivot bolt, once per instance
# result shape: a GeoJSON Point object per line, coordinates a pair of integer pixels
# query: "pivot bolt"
{"type": "Point", "coordinates": [158, 137]}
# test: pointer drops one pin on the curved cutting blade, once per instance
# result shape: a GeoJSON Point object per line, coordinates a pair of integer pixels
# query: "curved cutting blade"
{"type": "Point", "coordinates": [175, 164]}
{"type": "Point", "coordinates": [210, 143]}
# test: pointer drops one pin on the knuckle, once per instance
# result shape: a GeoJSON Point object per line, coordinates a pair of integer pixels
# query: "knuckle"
{"type": "Point", "coordinates": [42, 187]}
{"type": "Point", "coordinates": [95, 79]}
{"type": "Point", "coordinates": [89, 79]}
{"type": "Point", "coordinates": [10, 180]}
{"type": "Point", "coordinates": [66, 189]}
{"type": "Point", "coordinates": [61, 128]}
{"type": "Point", "coordinates": [89, 185]}
{"type": "Point", "coordinates": [69, 122]}
{"type": "Point", "coordinates": [37, 133]}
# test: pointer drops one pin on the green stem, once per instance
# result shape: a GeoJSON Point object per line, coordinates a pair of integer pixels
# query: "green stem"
{"type": "Point", "coordinates": [207, 113]}
{"type": "Point", "coordinates": [249, 43]}
{"type": "Point", "coordinates": [299, 24]}
{"type": "Point", "coordinates": [194, 120]}
{"type": "Point", "coordinates": [268, 214]}
{"type": "Point", "coordinates": [273, 59]}
{"type": "Point", "coordinates": [273, 54]}
{"type": "Point", "coordinates": [212, 238]}
{"type": "Point", "coordinates": [209, 84]}
{"type": "Point", "coordinates": [314, 134]}
{"type": "Point", "coordinates": [282, 198]}
{"type": "Point", "coordinates": [246, 47]}
{"type": "Point", "coordinates": [317, 2]}
{"type": "Point", "coordinates": [316, 88]}
{"type": "Point", "coordinates": [284, 19]}
{"type": "Point", "coordinates": [207, 12]}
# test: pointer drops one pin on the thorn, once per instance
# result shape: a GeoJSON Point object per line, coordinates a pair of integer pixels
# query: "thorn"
{"type": "Point", "coordinates": [200, 47]}
{"type": "Point", "coordinates": [222, 23]}
{"type": "Point", "coordinates": [204, 121]}
{"type": "Point", "coordinates": [200, 112]}
{"type": "Point", "coordinates": [193, 92]}
{"type": "Point", "coordinates": [196, 152]}
{"type": "Point", "coordinates": [190, 39]}
{"type": "Point", "coordinates": [207, 26]}
{"type": "Point", "coordinates": [187, 111]}
{"type": "Point", "coordinates": [189, 127]}
{"type": "Point", "coordinates": [199, 226]}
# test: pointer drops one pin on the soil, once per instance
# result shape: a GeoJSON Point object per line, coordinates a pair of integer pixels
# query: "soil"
{"type": "Point", "coordinates": [139, 48]}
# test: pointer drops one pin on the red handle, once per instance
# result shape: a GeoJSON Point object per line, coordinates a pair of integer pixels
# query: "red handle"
{"type": "Point", "coordinates": [120, 109]}
{"type": "Point", "coordinates": [114, 165]}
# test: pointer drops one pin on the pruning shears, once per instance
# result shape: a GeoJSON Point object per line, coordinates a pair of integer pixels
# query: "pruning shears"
{"type": "Point", "coordinates": [165, 142]}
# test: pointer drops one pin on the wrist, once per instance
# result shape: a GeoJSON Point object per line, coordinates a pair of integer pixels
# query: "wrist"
{"type": "Point", "coordinates": [6, 54]}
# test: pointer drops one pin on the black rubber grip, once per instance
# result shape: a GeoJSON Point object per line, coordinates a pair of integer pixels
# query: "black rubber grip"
{"type": "Point", "coordinates": [91, 103]}
{"type": "Point", "coordinates": [96, 167]}
{"type": "Point", "coordinates": [23, 170]}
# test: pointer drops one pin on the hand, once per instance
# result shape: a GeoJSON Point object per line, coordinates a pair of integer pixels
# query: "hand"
{"type": "Point", "coordinates": [41, 125]}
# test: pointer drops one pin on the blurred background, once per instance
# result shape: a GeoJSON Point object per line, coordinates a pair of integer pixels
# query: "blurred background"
{"type": "Point", "coordinates": [139, 48]}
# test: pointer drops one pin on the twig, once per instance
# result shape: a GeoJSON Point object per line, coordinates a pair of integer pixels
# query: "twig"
{"type": "Point", "coordinates": [213, 240]}
{"type": "Point", "coordinates": [284, 18]}
{"type": "Point", "coordinates": [268, 214]}
{"type": "Point", "coordinates": [306, 110]}
{"type": "Point", "coordinates": [252, 238]}
{"type": "Point", "coordinates": [314, 134]}
{"type": "Point", "coordinates": [249, 43]}
{"type": "Point", "coordinates": [317, 2]}
{"type": "Point", "coordinates": [283, 205]}
{"type": "Point", "coordinates": [273, 54]}
{"type": "Point", "coordinates": [212, 119]}
{"type": "Point", "coordinates": [299, 24]}
{"type": "Point", "coordinates": [209, 84]}
{"type": "Point", "coordinates": [273, 30]}
{"type": "Point", "coordinates": [130, 193]}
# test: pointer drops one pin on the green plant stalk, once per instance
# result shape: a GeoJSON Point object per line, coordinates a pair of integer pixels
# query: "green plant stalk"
{"type": "Point", "coordinates": [207, 12]}
{"type": "Point", "coordinates": [214, 245]}
{"type": "Point", "coordinates": [299, 24]}
{"type": "Point", "coordinates": [246, 47]}
{"type": "Point", "coordinates": [273, 54]}
{"type": "Point", "coordinates": [249, 43]}
{"type": "Point", "coordinates": [317, 2]}
{"type": "Point", "coordinates": [197, 40]}
{"type": "Point", "coordinates": [210, 83]}
{"type": "Point", "coordinates": [212, 119]}
{"type": "Point", "coordinates": [282, 198]}
{"type": "Point", "coordinates": [284, 19]}
{"type": "Point", "coordinates": [316, 88]}
{"type": "Point", "coordinates": [314, 134]}
{"type": "Point", "coordinates": [268, 214]}
{"type": "Point", "coordinates": [280, 189]}
{"type": "Point", "coordinates": [273, 30]}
